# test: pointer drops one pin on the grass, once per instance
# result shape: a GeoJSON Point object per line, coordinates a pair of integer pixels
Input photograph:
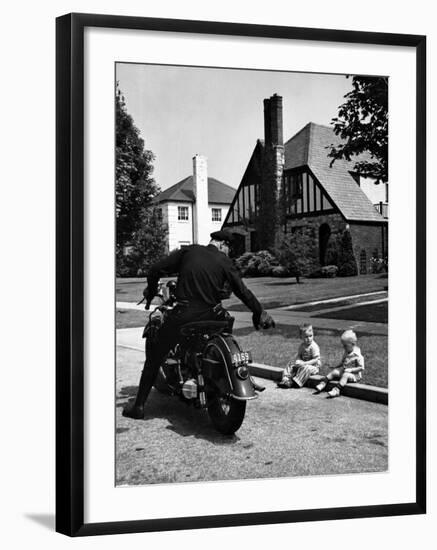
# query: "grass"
{"type": "Point", "coordinates": [129, 290]}
{"type": "Point", "coordinates": [274, 292]}
{"type": "Point", "coordinates": [129, 318]}
{"type": "Point", "coordinates": [374, 313]}
{"type": "Point", "coordinates": [276, 347]}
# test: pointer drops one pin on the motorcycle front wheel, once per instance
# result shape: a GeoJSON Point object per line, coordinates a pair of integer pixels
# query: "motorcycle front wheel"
{"type": "Point", "coordinates": [226, 413]}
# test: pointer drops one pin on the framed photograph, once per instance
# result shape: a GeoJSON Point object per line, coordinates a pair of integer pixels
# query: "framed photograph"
{"type": "Point", "coordinates": [240, 274]}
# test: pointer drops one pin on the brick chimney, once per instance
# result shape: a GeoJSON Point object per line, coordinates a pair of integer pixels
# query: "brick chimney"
{"type": "Point", "coordinates": [272, 170]}
{"type": "Point", "coordinates": [273, 133]}
{"type": "Point", "coordinates": [200, 208]}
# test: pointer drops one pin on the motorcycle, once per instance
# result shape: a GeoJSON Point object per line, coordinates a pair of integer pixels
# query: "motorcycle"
{"type": "Point", "coordinates": [207, 368]}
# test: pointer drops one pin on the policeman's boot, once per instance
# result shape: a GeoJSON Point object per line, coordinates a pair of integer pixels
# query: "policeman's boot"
{"type": "Point", "coordinates": [136, 410]}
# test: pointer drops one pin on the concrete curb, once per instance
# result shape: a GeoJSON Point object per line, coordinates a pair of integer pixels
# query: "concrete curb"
{"type": "Point", "coordinates": [358, 391]}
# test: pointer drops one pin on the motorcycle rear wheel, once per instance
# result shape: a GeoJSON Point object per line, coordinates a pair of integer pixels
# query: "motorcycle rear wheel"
{"type": "Point", "coordinates": [226, 413]}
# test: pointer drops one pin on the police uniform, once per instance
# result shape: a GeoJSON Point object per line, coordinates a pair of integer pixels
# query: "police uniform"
{"type": "Point", "coordinates": [203, 272]}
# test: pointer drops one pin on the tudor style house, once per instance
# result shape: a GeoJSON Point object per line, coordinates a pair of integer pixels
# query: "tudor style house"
{"type": "Point", "coordinates": [312, 196]}
{"type": "Point", "coordinates": [194, 207]}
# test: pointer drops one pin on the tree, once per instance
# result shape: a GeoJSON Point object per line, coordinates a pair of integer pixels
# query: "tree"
{"type": "Point", "coordinates": [347, 264]}
{"type": "Point", "coordinates": [134, 186]}
{"type": "Point", "coordinates": [296, 253]}
{"type": "Point", "coordinates": [138, 222]}
{"type": "Point", "coordinates": [148, 244]}
{"type": "Point", "coordinates": [362, 124]}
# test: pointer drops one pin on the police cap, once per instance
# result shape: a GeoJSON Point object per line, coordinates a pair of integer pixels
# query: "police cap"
{"type": "Point", "coordinates": [223, 235]}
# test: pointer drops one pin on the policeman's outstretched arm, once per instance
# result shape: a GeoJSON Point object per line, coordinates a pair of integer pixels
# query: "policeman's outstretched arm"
{"type": "Point", "coordinates": [260, 318]}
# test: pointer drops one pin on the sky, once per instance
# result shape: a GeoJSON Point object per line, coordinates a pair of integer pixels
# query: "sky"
{"type": "Point", "coordinates": [218, 113]}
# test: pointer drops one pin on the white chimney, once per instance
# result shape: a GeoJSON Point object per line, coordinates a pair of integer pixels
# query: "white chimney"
{"type": "Point", "coordinates": [201, 213]}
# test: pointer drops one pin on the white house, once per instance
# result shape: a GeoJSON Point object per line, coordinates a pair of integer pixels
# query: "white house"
{"type": "Point", "coordinates": [195, 206]}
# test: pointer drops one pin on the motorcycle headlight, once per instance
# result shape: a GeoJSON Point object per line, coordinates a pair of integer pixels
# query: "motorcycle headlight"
{"type": "Point", "coordinates": [242, 372]}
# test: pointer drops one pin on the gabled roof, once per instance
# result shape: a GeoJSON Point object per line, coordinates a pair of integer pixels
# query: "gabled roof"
{"type": "Point", "coordinates": [218, 192]}
{"type": "Point", "coordinates": [310, 147]}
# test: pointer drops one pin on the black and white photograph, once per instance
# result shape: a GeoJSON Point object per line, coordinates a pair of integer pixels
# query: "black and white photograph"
{"type": "Point", "coordinates": [218, 258]}
{"type": "Point", "coordinates": [252, 224]}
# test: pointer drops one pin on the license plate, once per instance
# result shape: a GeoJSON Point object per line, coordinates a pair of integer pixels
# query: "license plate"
{"type": "Point", "coordinates": [242, 357]}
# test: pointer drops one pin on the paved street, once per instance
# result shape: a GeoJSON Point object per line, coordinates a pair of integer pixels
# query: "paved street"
{"type": "Point", "coordinates": [285, 433]}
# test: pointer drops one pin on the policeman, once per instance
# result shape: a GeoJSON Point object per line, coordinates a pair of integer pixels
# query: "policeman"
{"type": "Point", "coordinates": [203, 273]}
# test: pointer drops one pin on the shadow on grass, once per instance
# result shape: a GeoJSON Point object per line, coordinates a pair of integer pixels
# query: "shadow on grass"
{"type": "Point", "coordinates": [184, 419]}
{"type": "Point", "coordinates": [370, 313]}
{"type": "Point", "coordinates": [242, 307]}
{"type": "Point", "coordinates": [293, 331]}
{"type": "Point", "coordinates": [286, 331]}
{"type": "Point", "coordinates": [283, 283]}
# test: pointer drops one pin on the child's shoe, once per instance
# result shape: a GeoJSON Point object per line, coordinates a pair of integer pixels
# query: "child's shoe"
{"type": "Point", "coordinates": [285, 383]}
{"type": "Point", "coordinates": [335, 392]}
{"type": "Point", "coordinates": [320, 387]}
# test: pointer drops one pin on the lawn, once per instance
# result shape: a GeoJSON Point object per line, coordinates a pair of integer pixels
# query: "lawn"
{"type": "Point", "coordinates": [374, 313]}
{"type": "Point", "coordinates": [128, 318]}
{"type": "Point", "coordinates": [274, 292]}
{"type": "Point", "coordinates": [276, 347]}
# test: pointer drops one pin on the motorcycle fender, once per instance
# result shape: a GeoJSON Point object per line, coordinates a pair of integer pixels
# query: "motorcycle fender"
{"type": "Point", "coordinates": [228, 381]}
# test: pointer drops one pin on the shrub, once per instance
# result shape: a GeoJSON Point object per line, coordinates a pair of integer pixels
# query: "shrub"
{"type": "Point", "coordinates": [378, 265]}
{"type": "Point", "coordinates": [347, 265]}
{"type": "Point", "coordinates": [243, 261]}
{"type": "Point", "coordinates": [296, 253]}
{"type": "Point", "coordinates": [329, 271]}
{"type": "Point", "coordinates": [280, 271]}
{"type": "Point", "coordinates": [256, 264]}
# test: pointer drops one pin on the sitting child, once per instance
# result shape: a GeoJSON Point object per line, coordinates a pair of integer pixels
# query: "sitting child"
{"type": "Point", "coordinates": [350, 368]}
{"type": "Point", "coordinates": [307, 361]}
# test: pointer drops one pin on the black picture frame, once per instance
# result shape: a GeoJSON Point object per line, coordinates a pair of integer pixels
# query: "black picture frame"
{"type": "Point", "coordinates": [70, 273]}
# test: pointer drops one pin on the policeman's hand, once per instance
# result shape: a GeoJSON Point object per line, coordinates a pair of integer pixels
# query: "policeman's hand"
{"type": "Point", "coordinates": [148, 296]}
{"type": "Point", "coordinates": [264, 321]}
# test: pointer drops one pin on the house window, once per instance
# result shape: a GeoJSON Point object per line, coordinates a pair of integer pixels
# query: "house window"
{"type": "Point", "coordinates": [216, 214]}
{"type": "Point", "coordinates": [183, 213]}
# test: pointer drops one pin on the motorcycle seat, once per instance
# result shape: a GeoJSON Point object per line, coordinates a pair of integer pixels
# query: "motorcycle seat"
{"type": "Point", "coordinates": [203, 327]}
